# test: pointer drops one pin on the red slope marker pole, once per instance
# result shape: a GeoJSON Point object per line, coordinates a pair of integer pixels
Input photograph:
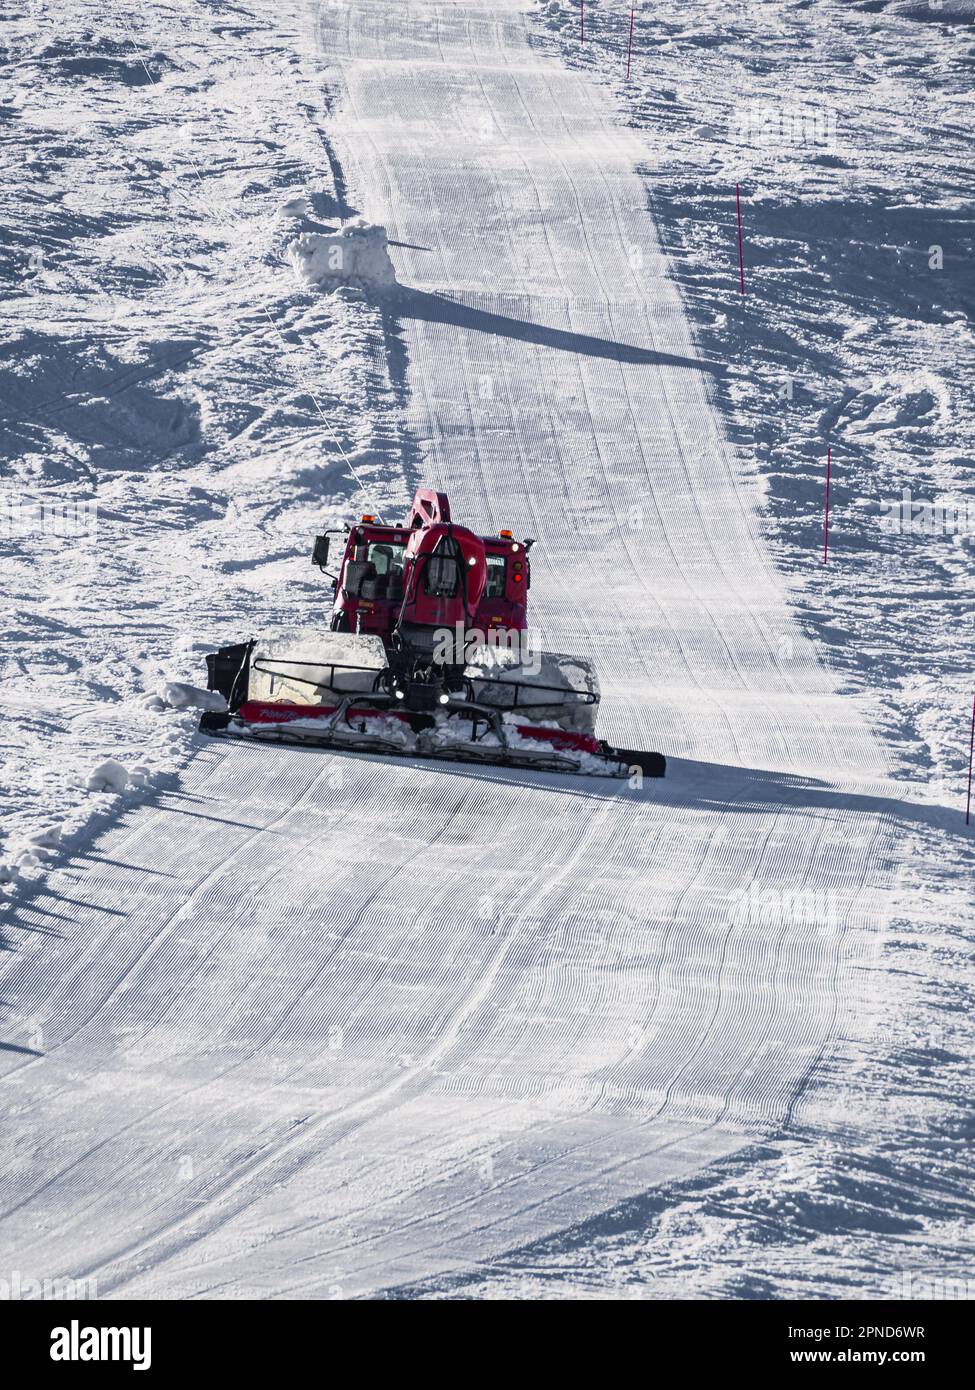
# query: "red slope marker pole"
{"type": "Point", "coordinates": [629, 47]}
{"type": "Point", "coordinates": [971, 750]}
{"type": "Point", "coordinates": [741, 258]}
{"type": "Point", "coordinates": [826, 526]}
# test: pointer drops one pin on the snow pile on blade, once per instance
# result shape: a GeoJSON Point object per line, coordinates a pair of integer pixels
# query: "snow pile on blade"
{"type": "Point", "coordinates": [365, 730]}
{"type": "Point", "coordinates": [352, 728]}
{"type": "Point", "coordinates": [336, 690]}
{"type": "Point", "coordinates": [291, 664]}
{"type": "Point", "coordinates": [547, 745]}
{"type": "Point", "coordinates": [546, 687]}
{"type": "Point", "coordinates": [356, 254]}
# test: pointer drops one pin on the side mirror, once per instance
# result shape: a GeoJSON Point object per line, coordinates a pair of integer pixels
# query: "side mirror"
{"type": "Point", "coordinates": [319, 555]}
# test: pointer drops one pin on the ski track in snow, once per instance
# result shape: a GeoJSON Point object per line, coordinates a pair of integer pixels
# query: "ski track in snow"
{"type": "Point", "coordinates": [324, 1025]}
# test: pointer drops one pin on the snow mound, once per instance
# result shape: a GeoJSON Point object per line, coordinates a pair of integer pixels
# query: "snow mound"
{"type": "Point", "coordinates": [48, 837]}
{"type": "Point", "coordinates": [295, 207]}
{"type": "Point", "coordinates": [936, 11]}
{"type": "Point", "coordinates": [179, 695]}
{"type": "Point", "coordinates": [109, 776]}
{"type": "Point", "coordinates": [356, 254]}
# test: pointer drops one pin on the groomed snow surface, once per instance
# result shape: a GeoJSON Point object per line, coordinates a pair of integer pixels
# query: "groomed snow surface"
{"type": "Point", "coordinates": [290, 1023]}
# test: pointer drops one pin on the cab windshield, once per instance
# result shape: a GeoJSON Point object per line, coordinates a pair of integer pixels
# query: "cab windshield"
{"type": "Point", "coordinates": [387, 556]}
{"type": "Point", "coordinates": [494, 588]}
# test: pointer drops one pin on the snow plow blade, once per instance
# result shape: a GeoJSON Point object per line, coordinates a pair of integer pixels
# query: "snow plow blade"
{"type": "Point", "coordinates": [337, 691]}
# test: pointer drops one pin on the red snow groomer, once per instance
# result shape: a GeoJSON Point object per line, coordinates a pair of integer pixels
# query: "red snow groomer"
{"type": "Point", "coordinates": [427, 654]}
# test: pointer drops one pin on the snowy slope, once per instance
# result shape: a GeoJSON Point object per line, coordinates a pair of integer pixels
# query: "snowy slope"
{"type": "Point", "coordinates": [176, 416]}
{"type": "Point", "coordinates": [306, 1024]}
{"type": "Point", "coordinates": [851, 334]}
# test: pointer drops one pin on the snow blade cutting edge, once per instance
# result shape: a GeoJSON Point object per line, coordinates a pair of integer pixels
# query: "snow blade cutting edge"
{"type": "Point", "coordinates": [339, 691]}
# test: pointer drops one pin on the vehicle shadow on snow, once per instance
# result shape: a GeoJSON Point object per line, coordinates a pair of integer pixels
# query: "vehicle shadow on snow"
{"type": "Point", "coordinates": [702, 786]}
{"type": "Point", "coordinates": [690, 784]}
{"type": "Point", "coordinates": [713, 786]}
